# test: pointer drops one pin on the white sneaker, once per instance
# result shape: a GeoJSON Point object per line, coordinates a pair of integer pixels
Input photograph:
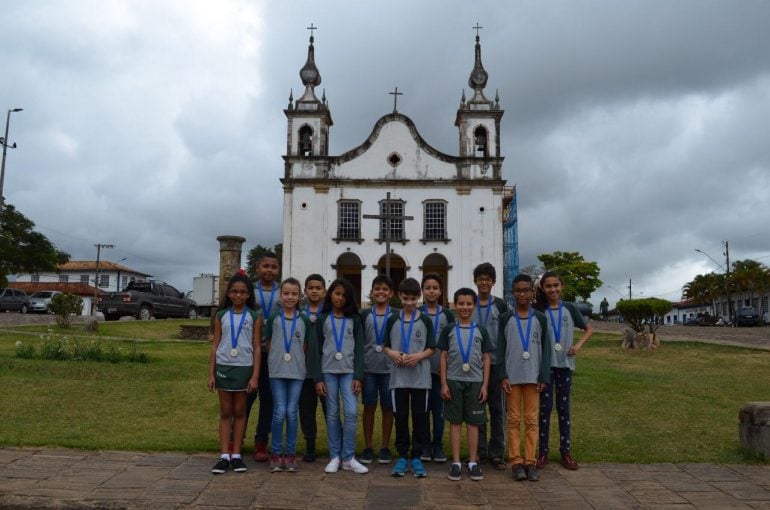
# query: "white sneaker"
{"type": "Point", "coordinates": [333, 466]}
{"type": "Point", "coordinates": [354, 466]}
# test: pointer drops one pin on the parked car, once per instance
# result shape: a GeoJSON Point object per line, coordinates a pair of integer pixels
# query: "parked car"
{"type": "Point", "coordinates": [40, 300]}
{"type": "Point", "coordinates": [746, 316]}
{"type": "Point", "coordinates": [701, 320]}
{"type": "Point", "coordinates": [585, 309]}
{"type": "Point", "coordinates": [13, 299]}
{"type": "Point", "coordinates": [145, 300]}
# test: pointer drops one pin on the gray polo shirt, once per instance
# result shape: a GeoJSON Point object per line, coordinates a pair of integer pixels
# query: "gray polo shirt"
{"type": "Point", "coordinates": [323, 357]}
{"type": "Point", "coordinates": [417, 376]}
{"type": "Point", "coordinates": [570, 319]}
{"type": "Point", "coordinates": [445, 317]}
{"type": "Point", "coordinates": [488, 316]}
{"type": "Point", "coordinates": [375, 362]}
{"type": "Point", "coordinates": [296, 367]}
{"type": "Point", "coordinates": [480, 344]}
{"type": "Point", "coordinates": [510, 349]}
{"type": "Point", "coordinates": [244, 344]}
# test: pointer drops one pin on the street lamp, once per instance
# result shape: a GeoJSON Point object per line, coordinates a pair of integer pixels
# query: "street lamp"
{"type": "Point", "coordinates": [4, 143]}
{"type": "Point", "coordinates": [727, 274]}
{"type": "Point", "coordinates": [720, 266]}
{"type": "Point", "coordinates": [616, 290]}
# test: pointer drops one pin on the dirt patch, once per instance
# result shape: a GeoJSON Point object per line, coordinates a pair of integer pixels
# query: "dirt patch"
{"type": "Point", "coordinates": [756, 337]}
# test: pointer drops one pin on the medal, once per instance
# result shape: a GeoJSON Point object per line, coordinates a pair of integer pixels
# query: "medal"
{"type": "Point", "coordinates": [554, 324]}
{"type": "Point", "coordinates": [233, 335]}
{"type": "Point", "coordinates": [557, 347]}
{"type": "Point", "coordinates": [378, 348]}
{"type": "Point", "coordinates": [287, 357]}
{"type": "Point", "coordinates": [406, 338]}
{"type": "Point", "coordinates": [466, 367]}
{"type": "Point", "coordinates": [379, 333]}
{"type": "Point", "coordinates": [338, 356]}
{"type": "Point", "coordinates": [287, 338]}
{"type": "Point", "coordinates": [233, 352]}
{"type": "Point", "coordinates": [339, 337]}
{"type": "Point", "coordinates": [524, 339]}
{"type": "Point", "coordinates": [465, 352]}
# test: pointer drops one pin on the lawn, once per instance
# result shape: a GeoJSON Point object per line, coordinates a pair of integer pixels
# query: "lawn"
{"type": "Point", "coordinates": [679, 404]}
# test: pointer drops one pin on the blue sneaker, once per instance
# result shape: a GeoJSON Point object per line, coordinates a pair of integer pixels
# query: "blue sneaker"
{"type": "Point", "coordinates": [418, 469]}
{"type": "Point", "coordinates": [400, 468]}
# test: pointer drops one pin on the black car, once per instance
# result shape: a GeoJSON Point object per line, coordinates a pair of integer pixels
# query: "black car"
{"type": "Point", "coordinates": [746, 316]}
{"type": "Point", "coordinates": [14, 299]}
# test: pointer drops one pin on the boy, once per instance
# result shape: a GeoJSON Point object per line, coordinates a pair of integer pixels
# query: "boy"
{"type": "Point", "coordinates": [487, 314]}
{"type": "Point", "coordinates": [409, 342]}
{"type": "Point", "coordinates": [377, 369]}
{"type": "Point", "coordinates": [315, 289]}
{"type": "Point", "coordinates": [433, 447]}
{"type": "Point", "coordinates": [524, 368]}
{"type": "Point", "coordinates": [267, 298]}
{"type": "Point", "coordinates": [465, 368]}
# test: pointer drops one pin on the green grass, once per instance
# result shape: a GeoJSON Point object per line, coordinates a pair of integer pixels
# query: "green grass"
{"type": "Point", "coordinates": [679, 404]}
{"type": "Point", "coordinates": [165, 329]}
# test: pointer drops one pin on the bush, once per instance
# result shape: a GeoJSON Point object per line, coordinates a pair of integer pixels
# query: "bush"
{"type": "Point", "coordinates": [644, 313]}
{"type": "Point", "coordinates": [57, 347]}
{"type": "Point", "coordinates": [25, 351]}
{"type": "Point", "coordinates": [65, 306]}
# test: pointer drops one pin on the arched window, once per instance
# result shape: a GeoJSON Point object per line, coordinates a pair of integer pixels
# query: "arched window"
{"type": "Point", "coordinates": [306, 141]}
{"type": "Point", "coordinates": [480, 144]}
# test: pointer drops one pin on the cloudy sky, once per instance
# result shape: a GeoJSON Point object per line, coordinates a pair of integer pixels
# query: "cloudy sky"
{"type": "Point", "coordinates": [634, 131]}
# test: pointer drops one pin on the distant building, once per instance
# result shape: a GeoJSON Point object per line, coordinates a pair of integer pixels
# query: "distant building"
{"type": "Point", "coordinates": [684, 310]}
{"type": "Point", "coordinates": [113, 277]}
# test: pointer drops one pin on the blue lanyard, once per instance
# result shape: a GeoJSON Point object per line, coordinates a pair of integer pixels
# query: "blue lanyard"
{"type": "Point", "coordinates": [524, 340]}
{"type": "Point", "coordinates": [287, 341]}
{"type": "Point", "coordinates": [234, 337]}
{"type": "Point", "coordinates": [380, 333]}
{"type": "Point", "coordinates": [338, 338]}
{"type": "Point", "coordinates": [265, 308]}
{"type": "Point", "coordinates": [436, 319]}
{"type": "Point", "coordinates": [554, 324]}
{"type": "Point", "coordinates": [309, 313]}
{"type": "Point", "coordinates": [406, 339]}
{"type": "Point", "coordinates": [465, 353]}
{"type": "Point", "coordinates": [489, 310]}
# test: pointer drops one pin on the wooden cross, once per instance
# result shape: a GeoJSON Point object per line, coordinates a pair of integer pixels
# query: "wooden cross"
{"type": "Point", "coordinates": [387, 217]}
{"type": "Point", "coordinates": [311, 28]}
{"type": "Point", "coordinates": [395, 95]}
{"type": "Point", "coordinates": [477, 28]}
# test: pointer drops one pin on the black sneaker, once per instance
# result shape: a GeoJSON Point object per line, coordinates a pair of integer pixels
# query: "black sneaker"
{"type": "Point", "coordinates": [476, 473]}
{"type": "Point", "coordinates": [309, 456]}
{"type": "Point", "coordinates": [438, 454]}
{"type": "Point", "coordinates": [367, 456]}
{"type": "Point", "coordinates": [532, 474]}
{"type": "Point", "coordinates": [519, 473]}
{"type": "Point", "coordinates": [238, 465]}
{"type": "Point", "coordinates": [385, 457]}
{"type": "Point", "coordinates": [454, 472]}
{"type": "Point", "coordinates": [221, 467]}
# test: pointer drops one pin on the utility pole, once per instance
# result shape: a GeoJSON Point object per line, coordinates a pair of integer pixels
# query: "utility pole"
{"type": "Point", "coordinates": [96, 279]}
{"type": "Point", "coordinates": [629, 288]}
{"type": "Point", "coordinates": [727, 282]}
{"type": "Point", "coordinates": [4, 143]}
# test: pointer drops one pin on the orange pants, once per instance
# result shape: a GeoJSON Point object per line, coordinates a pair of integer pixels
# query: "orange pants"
{"type": "Point", "coordinates": [527, 395]}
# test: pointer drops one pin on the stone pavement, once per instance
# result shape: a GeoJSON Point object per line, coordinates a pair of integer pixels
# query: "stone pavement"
{"type": "Point", "coordinates": [56, 478]}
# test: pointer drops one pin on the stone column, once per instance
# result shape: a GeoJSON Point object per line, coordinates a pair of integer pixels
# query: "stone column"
{"type": "Point", "coordinates": [229, 260]}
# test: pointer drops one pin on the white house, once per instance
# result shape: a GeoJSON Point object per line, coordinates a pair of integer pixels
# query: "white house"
{"type": "Point", "coordinates": [445, 213]}
{"type": "Point", "coordinates": [684, 310]}
{"type": "Point", "coordinates": [112, 276]}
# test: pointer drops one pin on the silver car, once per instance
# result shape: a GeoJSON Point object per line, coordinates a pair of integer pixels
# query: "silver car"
{"type": "Point", "coordinates": [39, 301]}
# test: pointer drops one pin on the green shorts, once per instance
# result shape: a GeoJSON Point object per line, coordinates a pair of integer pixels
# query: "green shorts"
{"type": "Point", "coordinates": [232, 378]}
{"type": "Point", "coordinates": [464, 406]}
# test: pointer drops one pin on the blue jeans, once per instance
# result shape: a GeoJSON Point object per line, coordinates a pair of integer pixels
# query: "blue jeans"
{"type": "Point", "coordinates": [342, 438]}
{"type": "Point", "coordinates": [285, 400]}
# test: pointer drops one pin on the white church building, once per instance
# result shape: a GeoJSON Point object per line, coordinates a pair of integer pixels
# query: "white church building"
{"type": "Point", "coordinates": [445, 213]}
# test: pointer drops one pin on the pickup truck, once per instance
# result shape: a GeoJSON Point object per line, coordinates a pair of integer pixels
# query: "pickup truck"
{"type": "Point", "coordinates": [145, 300]}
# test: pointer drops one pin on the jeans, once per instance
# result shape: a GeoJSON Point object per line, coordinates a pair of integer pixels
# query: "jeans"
{"type": "Point", "coordinates": [526, 396]}
{"type": "Point", "coordinates": [285, 399]}
{"type": "Point", "coordinates": [561, 384]}
{"type": "Point", "coordinates": [265, 417]}
{"type": "Point", "coordinates": [342, 437]}
{"type": "Point", "coordinates": [496, 446]}
{"type": "Point", "coordinates": [435, 416]}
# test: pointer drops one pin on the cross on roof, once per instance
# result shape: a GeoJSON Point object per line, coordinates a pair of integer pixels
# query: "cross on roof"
{"type": "Point", "coordinates": [311, 28]}
{"type": "Point", "coordinates": [395, 95]}
{"type": "Point", "coordinates": [477, 28]}
{"type": "Point", "coordinates": [386, 218]}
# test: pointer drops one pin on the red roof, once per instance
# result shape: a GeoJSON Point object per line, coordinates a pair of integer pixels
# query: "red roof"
{"type": "Point", "coordinates": [90, 265]}
{"type": "Point", "coordinates": [81, 289]}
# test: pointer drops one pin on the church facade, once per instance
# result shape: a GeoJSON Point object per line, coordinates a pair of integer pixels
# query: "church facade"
{"type": "Point", "coordinates": [436, 212]}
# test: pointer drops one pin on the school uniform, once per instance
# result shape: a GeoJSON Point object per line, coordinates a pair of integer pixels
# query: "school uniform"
{"type": "Point", "coordinates": [234, 358]}
{"type": "Point", "coordinates": [433, 441]}
{"type": "Point", "coordinates": [561, 323]}
{"type": "Point", "coordinates": [377, 364]}
{"type": "Point", "coordinates": [409, 386]}
{"type": "Point", "coordinates": [308, 398]}
{"type": "Point", "coordinates": [524, 358]}
{"type": "Point", "coordinates": [488, 316]}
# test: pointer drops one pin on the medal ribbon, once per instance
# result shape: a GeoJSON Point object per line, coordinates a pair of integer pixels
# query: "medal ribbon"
{"type": "Point", "coordinates": [489, 310]}
{"type": "Point", "coordinates": [338, 338]}
{"type": "Point", "coordinates": [524, 340]}
{"type": "Point", "coordinates": [406, 339]}
{"type": "Point", "coordinates": [465, 353]}
{"type": "Point", "coordinates": [265, 308]}
{"type": "Point", "coordinates": [436, 319]}
{"type": "Point", "coordinates": [309, 313]}
{"type": "Point", "coordinates": [556, 330]}
{"type": "Point", "coordinates": [287, 341]}
{"type": "Point", "coordinates": [234, 337]}
{"type": "Point", "coordinates": [380, 333]}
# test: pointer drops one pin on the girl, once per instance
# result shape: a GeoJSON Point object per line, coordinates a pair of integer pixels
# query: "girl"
{"type": "Point", "coordinates": [338, 369]}
{"type": "Point", "coordinates": [562, 318]}
{"type": "Point", "coordinates": [234, 367]}
{"type": "Point", "coordinates": [288, 333]}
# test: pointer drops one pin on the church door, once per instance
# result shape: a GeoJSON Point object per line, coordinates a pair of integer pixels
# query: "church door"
{"type": "Point", "coordinates": [349, 268]}
{"type": "Point", "coordinates": [437, 263]}
{"type": "Point", "coordinates": [397, 270]}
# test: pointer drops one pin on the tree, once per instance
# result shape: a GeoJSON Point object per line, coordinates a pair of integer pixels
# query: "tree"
{"type": "Point", "coordinates": [22, 249]}
{"type": "Point", "coordinates": [641, 314]}
{"type": "Point", "coordinates": [65, 307]}
{"type": "Point", "coordinates": [581, 277]}
{"type": "Point", "coordinates": [252, 258]}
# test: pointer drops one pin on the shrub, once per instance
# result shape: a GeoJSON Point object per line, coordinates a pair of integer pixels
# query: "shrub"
{"type": "Point", "coordinates": [65, 306]}
{"type": "Point", "coordinates": [25, 351]}
{"type": "Point", "coordinates": [644, 313]}
{"type": "Point", "coordinates": [57, 347]}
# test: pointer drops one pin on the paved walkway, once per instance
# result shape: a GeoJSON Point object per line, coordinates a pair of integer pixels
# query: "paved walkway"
{"type": "Point", "coordinates": [56, 478]}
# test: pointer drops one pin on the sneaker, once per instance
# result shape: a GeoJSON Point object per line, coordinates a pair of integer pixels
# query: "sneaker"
{"type": "Point", "coordinates": [476, 473]}
{"type": "Point", "coordinates": [276, 463]}
{"type": "Point", "coordinates": [238, 465]}
{"type": "Point", "coordinates": [290, 463]}
{"type": "Point", "coordinates": [418, 469]}
{"type": "Point", "coordinates": [384, 457]}
{"type": "Point", "coordinates": [519, 473]}
{"type": "Point", "coordinates": [367, 456]}
{"type": "Point", "coordinates": [220, 467]}
{"type": "Point", "coordinates": [438, 454]}
{"type": "Point", "coordinates": [532, 473]}
{"type": "Point", "coordinates": [354, 466]}
{"type": "Point", "coordinates": [542, 461]}
{"type": "Point", "coordinates": [455, 470]}
{"type": "Point", "coordinates": [568, 462]}
{"type": "Point", "coordinates": [260, 452]}
{"type": "Point", "coordinates": [425, 457]}
{"type": "Point", "coordinates": [498, 463]}
{"type": "Point", "coordinates": [333, 466]}
{"type": "Point", "coordinates": [309, 456]}
{"type": "Point", "coordinates": [399, 469]}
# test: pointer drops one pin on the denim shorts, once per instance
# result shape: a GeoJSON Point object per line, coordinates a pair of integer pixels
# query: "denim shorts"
{"type": "Point", "coordinates": [374, 384]}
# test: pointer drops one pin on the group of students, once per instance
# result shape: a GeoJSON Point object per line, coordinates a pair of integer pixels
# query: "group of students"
{"type": "Point", "coordinates": [421, 360]}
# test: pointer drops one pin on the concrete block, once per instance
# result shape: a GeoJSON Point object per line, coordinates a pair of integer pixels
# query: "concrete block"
{"type": "Point", "coordinates": [754, 427]}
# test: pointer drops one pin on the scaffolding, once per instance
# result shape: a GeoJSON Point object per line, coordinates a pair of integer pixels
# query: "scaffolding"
{"type": "Point", "coordinates": [510, 242]}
